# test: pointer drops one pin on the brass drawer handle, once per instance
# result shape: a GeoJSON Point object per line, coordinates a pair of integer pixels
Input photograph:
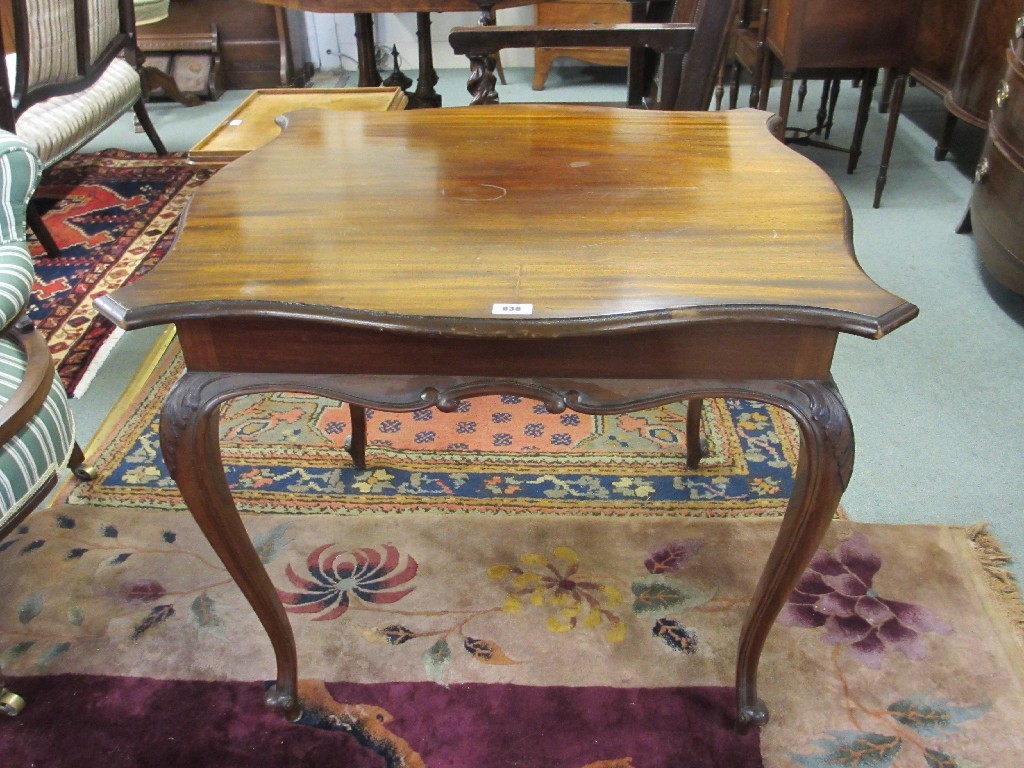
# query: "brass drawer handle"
{"type": "Point", "coordinates": [1019, 28]}
{"type": "Point", "coordinates": [981, 172]}
{"type": "Point", "coordinates": [1002, 95]}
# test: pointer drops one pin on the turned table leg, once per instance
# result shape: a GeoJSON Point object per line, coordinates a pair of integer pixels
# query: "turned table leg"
{"type": "Point", "coordinates": [867, 88]}
{"type": "Point", "coordinates": [895, 107]}
{"type": "Point", "coordinates": [369, 75]}
{"type": "Point", "coordinates": [425, 95]}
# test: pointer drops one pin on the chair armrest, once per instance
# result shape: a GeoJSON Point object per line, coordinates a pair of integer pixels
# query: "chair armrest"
{"type": "Point", "coordinates": [20, 171]}
{"type": "Point", "coordinates": [667, 38]}
{"type": "Point", "coordinates": [27, 400]}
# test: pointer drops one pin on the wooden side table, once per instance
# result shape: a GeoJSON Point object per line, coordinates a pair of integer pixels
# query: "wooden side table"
{"type": "Point", "coordinates": [600, 260]}
{"type": "Point", "coordinates": [254, 122]}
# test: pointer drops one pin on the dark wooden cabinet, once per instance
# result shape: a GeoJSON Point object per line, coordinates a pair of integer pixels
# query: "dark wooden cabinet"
{"type": "Point", "coordinates": [959, 53]}
{"type": "Point", "coordinates": [831, 34]}
{"type": "Point", "coordinates": [937, 42]}
{"type": "Point", "coordinates": [255, 45]}
{"type": "Point", "coordinates": [981, 61]}
{"type": "Point", "coordinates": [997, 201]}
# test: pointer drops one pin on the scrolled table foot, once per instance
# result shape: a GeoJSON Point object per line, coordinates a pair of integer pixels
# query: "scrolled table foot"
{"type": "Point", "coordinates": [753, 714]}
{"type": "Point", "coordinates": [286, 705]}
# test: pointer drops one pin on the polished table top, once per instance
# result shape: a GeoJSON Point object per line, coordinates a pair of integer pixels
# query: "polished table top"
{"type": "Point", "coordinates": [435, 220]}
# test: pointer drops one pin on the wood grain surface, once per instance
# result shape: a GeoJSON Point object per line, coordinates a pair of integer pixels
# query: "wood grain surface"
{"type": "Point", "coordinates": [425, 220]}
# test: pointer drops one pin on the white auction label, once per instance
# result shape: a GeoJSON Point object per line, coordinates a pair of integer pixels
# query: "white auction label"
{"type": "Point", "coordinates": [512, 309]}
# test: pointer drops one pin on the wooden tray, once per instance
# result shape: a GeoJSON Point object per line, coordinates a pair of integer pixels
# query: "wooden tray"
{"type": "Point", "coordinates": [252, 124]}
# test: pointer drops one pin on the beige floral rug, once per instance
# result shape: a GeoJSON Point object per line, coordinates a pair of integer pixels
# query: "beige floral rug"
{"type": "Point", "coordinates": [460, 641]}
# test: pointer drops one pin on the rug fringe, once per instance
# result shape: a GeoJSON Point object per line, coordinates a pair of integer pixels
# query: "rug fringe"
{"type": "Point", "coordinates": [1000, 579]}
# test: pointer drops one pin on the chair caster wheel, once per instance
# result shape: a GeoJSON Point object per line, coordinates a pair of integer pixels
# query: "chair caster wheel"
{"type": "Point", "coordinates": [11, 703]}
{"type": "Point", "coordinates": [86, 472]}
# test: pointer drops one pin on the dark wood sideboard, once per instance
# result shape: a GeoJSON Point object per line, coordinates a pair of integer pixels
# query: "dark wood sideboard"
{"type": "Point", "coordinates": [937, 42]}
{"type": "Point", "coordinates": [959, 54]}
{"type": "Point", "coordinates": [997, 201]}
{"type": "Point", "coordinates": [250, 45]}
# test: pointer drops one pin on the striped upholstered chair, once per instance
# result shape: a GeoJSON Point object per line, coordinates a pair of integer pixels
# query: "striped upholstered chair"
{"type": "Point", "coordinates": [37, 433]}
{"type": "Point", "coordinates": [74, 71]}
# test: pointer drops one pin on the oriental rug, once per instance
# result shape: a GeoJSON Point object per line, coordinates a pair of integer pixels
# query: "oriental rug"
{"type": "Point", "coordinates": [484, 641]}
{"type": "Point", "coordinates": [497, 455]}
{"type": "Point", "coordinates": [113, 214]}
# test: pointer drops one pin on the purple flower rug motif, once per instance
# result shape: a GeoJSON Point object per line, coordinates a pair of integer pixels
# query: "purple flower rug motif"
{"type": "Point", "coordinates": [465, 641]}
{"type": "Point", "coordinates": [836, 593]}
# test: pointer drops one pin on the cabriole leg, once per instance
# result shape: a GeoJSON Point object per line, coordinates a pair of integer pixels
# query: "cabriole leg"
{"type": "Point", "coordinates": [190, 442]}
{"type": "Point", "coordinates": [826, 462]}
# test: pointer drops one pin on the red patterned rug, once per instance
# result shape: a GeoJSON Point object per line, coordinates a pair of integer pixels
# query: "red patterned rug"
{"type": "Point", "coordinates": [113, 214]}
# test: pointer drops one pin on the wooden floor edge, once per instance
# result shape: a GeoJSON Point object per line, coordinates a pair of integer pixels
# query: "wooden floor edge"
{"type": "Point", "coordinates": [112, 422]}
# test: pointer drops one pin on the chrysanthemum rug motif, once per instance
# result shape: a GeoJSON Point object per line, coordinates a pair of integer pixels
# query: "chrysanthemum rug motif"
{"type": "Point", "coordinates": [469, 641]}
{"type": "Point", "coordinates": [113, 214]}
{"type": "Point", "coordinates": [496, 455]}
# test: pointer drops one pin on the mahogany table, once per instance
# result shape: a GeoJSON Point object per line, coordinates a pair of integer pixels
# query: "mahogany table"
{"type": "Point", "coordinates": [604, 260]}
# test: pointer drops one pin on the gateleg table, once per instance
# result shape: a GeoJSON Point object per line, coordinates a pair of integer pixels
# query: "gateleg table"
{"type": "Point", "coordinates": [601, 260]}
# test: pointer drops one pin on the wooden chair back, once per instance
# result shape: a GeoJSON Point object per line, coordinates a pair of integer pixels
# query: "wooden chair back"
{"type": "Point", "coordinates": [63, 46]}
{"type": "Point", "coordinates": [713, 20]}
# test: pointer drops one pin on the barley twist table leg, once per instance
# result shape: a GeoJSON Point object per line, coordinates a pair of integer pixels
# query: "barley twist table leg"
{"type": "Point", "coordinates": [482, 81]}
